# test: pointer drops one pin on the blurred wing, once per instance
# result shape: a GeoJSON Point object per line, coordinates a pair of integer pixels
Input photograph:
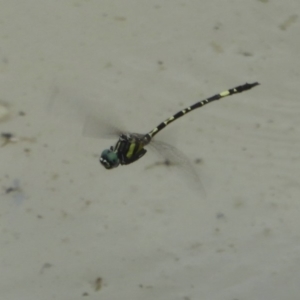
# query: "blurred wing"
{"type": "Point", "coordinates": [99, 127]}
{"type": "Point", "coordinates": [94, 117]}
{"type": "Point", "coordinates": [174, 157]}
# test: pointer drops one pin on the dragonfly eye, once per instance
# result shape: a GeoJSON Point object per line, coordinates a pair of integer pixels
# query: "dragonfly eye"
{"type": "Point", "coordinates": [109, 159]}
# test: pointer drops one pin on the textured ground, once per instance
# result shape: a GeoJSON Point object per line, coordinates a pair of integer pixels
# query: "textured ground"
{"type": "Point", "coordinates": [72, 230]}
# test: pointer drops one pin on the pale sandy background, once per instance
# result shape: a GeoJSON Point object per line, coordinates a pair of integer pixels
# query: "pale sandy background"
{"type": "Point", "coordinates": [146, 232]}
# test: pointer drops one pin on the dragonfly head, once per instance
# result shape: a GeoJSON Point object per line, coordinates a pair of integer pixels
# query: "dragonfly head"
{"type": "Point", "coordinates": [109, 159]}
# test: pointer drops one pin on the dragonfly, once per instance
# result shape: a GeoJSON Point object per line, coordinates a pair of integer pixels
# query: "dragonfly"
{"type": "Point", "coordinates": [130, 147]}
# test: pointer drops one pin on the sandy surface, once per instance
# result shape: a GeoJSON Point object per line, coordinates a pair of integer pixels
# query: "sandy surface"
{"type": "Point", "coordinates": [72, 230]}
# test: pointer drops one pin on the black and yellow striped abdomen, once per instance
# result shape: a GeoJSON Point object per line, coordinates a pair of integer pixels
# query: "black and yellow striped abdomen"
{"type": "Point", "coordinates": [236, 90]}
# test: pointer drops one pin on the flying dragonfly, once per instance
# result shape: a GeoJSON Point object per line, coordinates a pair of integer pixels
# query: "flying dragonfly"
{"type": "Point", "coordinates": [130, 147]}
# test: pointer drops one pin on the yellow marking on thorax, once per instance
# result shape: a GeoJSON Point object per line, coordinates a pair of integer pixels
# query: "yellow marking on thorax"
{"type": "Point", "coordinates": [132, 148]}
{"type": "Point", "coordinates": [130, 151]}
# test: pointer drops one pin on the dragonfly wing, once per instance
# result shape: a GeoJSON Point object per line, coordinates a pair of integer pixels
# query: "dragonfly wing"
{"type": "Point", "coordinates": [96, 118]}
{"type": "Point", "coordinates": [174, 157]}
{"type": "Point", "coordinates": [97, 127]}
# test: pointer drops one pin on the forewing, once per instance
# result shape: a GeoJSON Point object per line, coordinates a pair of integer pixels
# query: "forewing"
{"type": "Point", "coordinates": [172, 157]}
